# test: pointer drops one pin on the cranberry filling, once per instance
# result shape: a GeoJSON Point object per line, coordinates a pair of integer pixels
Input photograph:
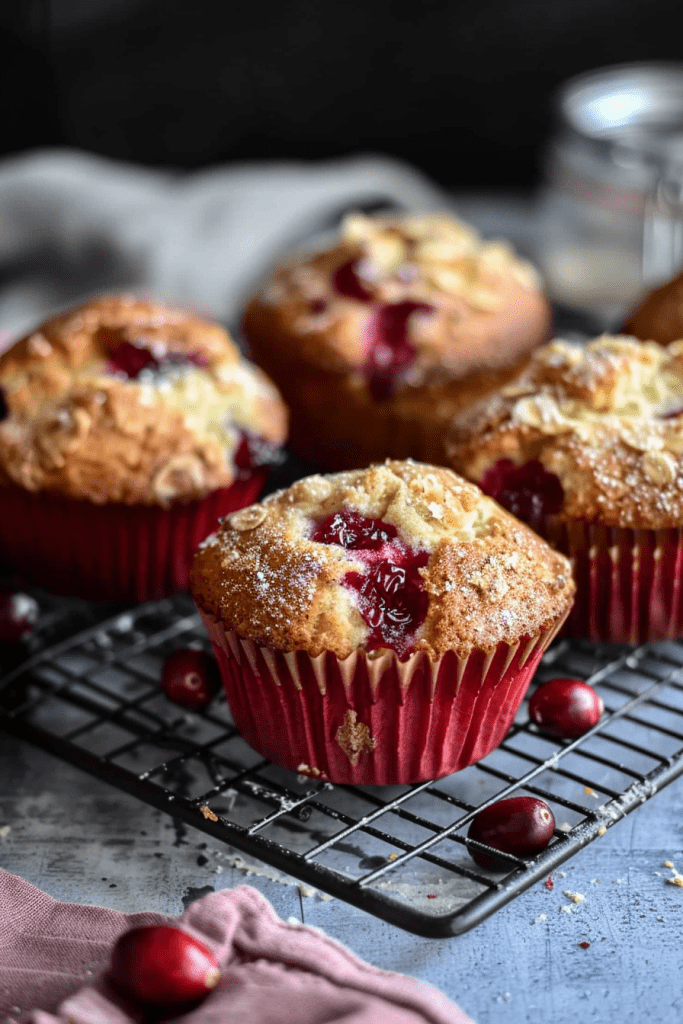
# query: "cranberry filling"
{"type": "Point", "coordinates": [255, 452]}
{"type": "Point", "coordinates": [390, 594]}
{"type": "Point", "coordinates": [347, 282]}
{"type": "Point", "coordinates": [132, 359]}
{"type": "Point", "coordinates": [4, 408]}
{"type": "Point", "coordinates": [528, 491]}
{"type": "Point", "coordinates": [353, 531]}
{"type": "Point", "coordinates": [390, 350]}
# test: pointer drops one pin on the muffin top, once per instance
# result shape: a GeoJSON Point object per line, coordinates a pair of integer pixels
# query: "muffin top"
{"type": "Point", "coordinates": [659, 317]}
{"type": "Point", "coordinates": [594, 434]}
{"type": "Point", "coordinates": [401, 556]}
{"type": "Point", "coordinates": [126, 400]}
{"type": "Point", "coordinates": [407, 301]}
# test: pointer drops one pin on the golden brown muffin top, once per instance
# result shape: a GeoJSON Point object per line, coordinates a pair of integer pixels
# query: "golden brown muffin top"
{"type": "Point", "coordinates": [607, 420]}
{"type": "Point", "coordinates": [275, 575]}
{"type": "Point", "coordinates": [126, 400]}
{"type": "Point", "coordinates": [466, 303]}
{"type": "Point", "coordinates": [659, 316]}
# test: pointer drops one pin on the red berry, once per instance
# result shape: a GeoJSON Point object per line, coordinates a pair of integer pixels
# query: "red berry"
{"type": "Point", "coordinates": [253, 452]}
{"type": "Point", "coordinates": [565, 708]}
{"type": "Point", "coordinates": [391, 596]}
{"type": "Point", "coordinates": [161, 966]}
{"type": "Point", "coordinates": [347, 282]}
{"type": "Point", "coordinates": [390, 349]}
{"type": "Point", "coordinates": [521, 826]}
{"type": "Point", "coordinates": [18, 615]}
{"type": "Point", "coordinates": [529, 491]}
{"type": "Point", "coordinates": [190, 678]}
{"type": "Point", "coordinates": [354, 532]}
{"type": "Point", "coordinates": [132, 358]}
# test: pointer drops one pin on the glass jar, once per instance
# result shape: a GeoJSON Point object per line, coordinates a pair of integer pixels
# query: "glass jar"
{"type": "Point", "coordinates": [611, 210]}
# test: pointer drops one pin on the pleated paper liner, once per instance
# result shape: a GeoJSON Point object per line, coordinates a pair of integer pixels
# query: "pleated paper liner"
{"type": "Point", "coordinates": [374, 720]}
{"type": "Point", "coordinates": [628, 581]}
{"type": "Point", "coordinates": [111, 552]}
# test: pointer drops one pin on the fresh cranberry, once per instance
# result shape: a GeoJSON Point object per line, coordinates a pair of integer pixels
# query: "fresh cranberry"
{"type": "Point", "coordinates": [132, 359]}
{"type": "Point", "coordinates": [161, 966]}
{"type": "Point", "coordinates": [529, 491]}
{"type": "Point", "coordinates": [190, 678]}
{"type": "Point", "coordinates": [253, 452]}
{"type": "Point", "coordinates": [347, 282]}
{"type": "Point", "coordinates": [18, 615]}
{"type": "Point", "coordinates": [4, 408]}
{"type": "Point", "coordinates": [521, 826]}
{"type": "Point", "coordinates": [353, 531]}
{"type": "Point", "coordinates": [565, 708]}
{"type": "Point", "coordinates": [390, 593]}
{"type": "Point", "coordinates": [390, 350]}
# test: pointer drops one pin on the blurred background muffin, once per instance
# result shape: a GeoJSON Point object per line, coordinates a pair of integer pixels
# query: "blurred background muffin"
{"type": "Point", "coordinates": [377, 342]}
{"type": "Point", "coordinates": [586, 446]}
{"type": "Point", "coordinates": [126, 429]}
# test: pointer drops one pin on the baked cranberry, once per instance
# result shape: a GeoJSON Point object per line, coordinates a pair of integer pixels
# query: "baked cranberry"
{"type": "Point", "coordinates": [353, 531]}
{"type": "Point", "coordinates": [18, 615]}
{"type": "Point", "coordinates": [565, 708]}
{"type": "Point", "coordinates": [347, 282]}
{"type": "Point", "coordinates": [520, 825]}
{"type": "Point", "coordinates": [132, 359]}
{"type": "Point", "coordinates": [4, 408]}
{"type": "Point", "coordinates": [161, 966]}
{"type": "Point", "coordinates": [529, 491]}
{"type": "Point", "coordinates": [390, 349]}
{"type": "Point", "coordinates": [392, 601]}
{"type": "Point", "coordinates": [254, 452]}
{"type": "Point", "coordinates": [390, 593]}
{"type": "Point", "coordinates": [190, 678]}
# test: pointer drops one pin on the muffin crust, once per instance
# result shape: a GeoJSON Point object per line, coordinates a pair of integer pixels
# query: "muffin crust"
{"type": "Point", "coordinates": [80, 428]}
{"type": "Point", "coordinates": [472, 311]}
{"type": "Point", "coordinates": [607, 420]}
{"type": "Point", "coordinates": [489, 579]}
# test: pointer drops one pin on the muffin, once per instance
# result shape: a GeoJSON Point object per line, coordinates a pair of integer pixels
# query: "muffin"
{"type": "Point", "coordinates": [377, 342]}
{"type": "Point", "coordinates": [659, 317]}
{"type": "Point", "coordinates": [587, 446]}
{"type": "Point", "coordinates": [126, 429]}
{"type": "Point", "coordinates": [378, 626]}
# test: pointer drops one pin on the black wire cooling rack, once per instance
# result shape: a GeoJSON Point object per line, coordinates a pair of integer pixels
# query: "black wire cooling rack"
{"type": "Point", "coordinates": [94, 700]}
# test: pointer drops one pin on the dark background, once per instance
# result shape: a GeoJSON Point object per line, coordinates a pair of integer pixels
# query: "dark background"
{"type": "Point", "coordinates": [463, 90]}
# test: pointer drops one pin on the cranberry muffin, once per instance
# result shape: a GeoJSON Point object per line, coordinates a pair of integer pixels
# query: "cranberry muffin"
{"type": "Point", "coordinates": [126, 429]}
{"type": "Point", "coordinates": [587, 446]}
{"type": "Point", "coordinates": [378, 626]}
{"type": "Point", "coordinates": [377, 342]}
{"type": "Point", "coordinates": [659, 317]}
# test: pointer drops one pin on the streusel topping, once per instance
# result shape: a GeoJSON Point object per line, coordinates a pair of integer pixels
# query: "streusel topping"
{"type": "Point", "coordinates": [606, 421]}
{"type": "Point", "coordinates": [129, 401]}
{"type": "Point", "coordinates": [443, 296]}
{"type": "Point", "coordinates": [401, 556]}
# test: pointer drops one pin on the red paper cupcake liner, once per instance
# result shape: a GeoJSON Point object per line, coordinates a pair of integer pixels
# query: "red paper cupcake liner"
{"type": "Point", "coordinates": [629, 582]}
{"type": "Point", "coordinates": [111, 552]}
{"type": "Point", "coordinates": [374, 720]}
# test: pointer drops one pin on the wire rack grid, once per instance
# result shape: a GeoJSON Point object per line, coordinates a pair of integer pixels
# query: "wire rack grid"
{"type": "Point", "coordinates": [400, 853]}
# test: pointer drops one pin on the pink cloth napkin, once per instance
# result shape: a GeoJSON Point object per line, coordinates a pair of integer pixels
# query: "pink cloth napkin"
{"type": "Point", "coordinates": [272, 972]}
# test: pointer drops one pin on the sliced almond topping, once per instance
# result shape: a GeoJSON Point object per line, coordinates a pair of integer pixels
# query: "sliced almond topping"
{"type": "Point", "coordinates": [247, 518]}
{"type": "Point", "coordinates": [660, 467]}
